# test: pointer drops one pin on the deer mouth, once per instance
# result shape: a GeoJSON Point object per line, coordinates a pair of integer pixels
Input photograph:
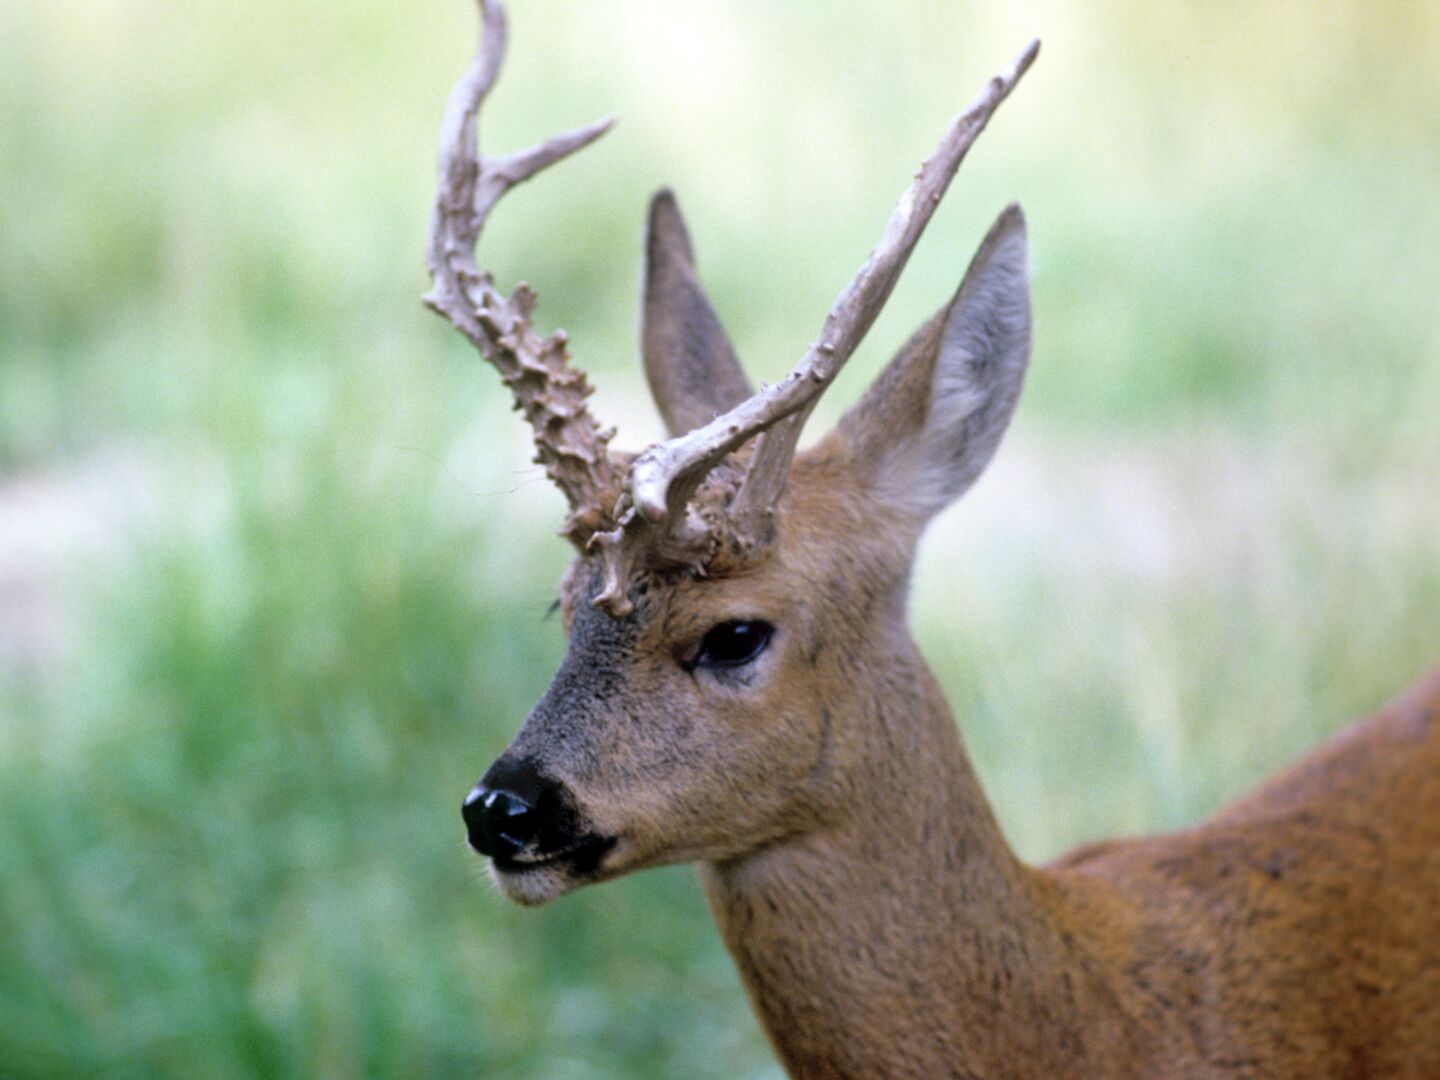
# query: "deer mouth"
{"type": "Point", "coordinates": [581, 857]}
{"type": "Point", "coordinates": [534, 878]}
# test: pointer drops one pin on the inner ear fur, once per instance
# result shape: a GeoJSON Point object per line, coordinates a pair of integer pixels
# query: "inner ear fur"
{"type": "Point", "coordinates": [931, 421]}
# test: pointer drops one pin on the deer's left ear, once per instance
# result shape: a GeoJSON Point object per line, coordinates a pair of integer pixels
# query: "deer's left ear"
{"type": "Point", "coordinates": [931, 421]}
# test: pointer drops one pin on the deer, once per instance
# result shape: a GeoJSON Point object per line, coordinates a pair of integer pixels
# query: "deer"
{"type": "Point", "coordinates": [740, 690]}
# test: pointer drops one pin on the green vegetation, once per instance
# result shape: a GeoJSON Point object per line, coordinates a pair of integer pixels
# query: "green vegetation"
{"type": "Point", "coordinates": [274, 566]}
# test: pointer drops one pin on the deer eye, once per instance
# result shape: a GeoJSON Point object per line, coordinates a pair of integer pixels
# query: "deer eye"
{"type": "Point", "coordinates": [732, 644]}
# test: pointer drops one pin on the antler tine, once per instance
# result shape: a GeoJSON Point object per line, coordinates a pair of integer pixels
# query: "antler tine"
{"type": "Point", "coordinates": [662, 478]}
{"type": "Point", "coordinates": [568, 441]}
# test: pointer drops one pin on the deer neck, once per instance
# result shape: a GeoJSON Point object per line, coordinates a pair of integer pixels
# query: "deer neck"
{"type": "Point", "coordinates": [907, 939]}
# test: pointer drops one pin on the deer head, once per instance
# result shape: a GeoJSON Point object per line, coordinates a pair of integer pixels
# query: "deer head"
{"type": "Point", "coordinates": [734, 608]}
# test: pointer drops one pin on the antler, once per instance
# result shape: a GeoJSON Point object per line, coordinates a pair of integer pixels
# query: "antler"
{"type": "Point", "coordinates": [655, 510]}
{"type": "Point", "coordinates": [551, 394]}
{"type": "Point", "coordinates": [655, 516]}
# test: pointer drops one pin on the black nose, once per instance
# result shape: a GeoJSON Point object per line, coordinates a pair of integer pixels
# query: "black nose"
{"type": "Point", "coordinates": [499, 822]}
{"type": "Point", "coordinates": [515, 808]}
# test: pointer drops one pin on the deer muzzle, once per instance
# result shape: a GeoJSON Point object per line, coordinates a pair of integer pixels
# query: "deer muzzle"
{"type": "Point", "coordinates": [523, 820]}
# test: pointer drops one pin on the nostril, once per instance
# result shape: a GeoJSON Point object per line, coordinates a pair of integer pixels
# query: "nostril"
{"type": "Point", "coordinates": [514, 818]}
{"type": "Point", "coordinates": [498, 822]}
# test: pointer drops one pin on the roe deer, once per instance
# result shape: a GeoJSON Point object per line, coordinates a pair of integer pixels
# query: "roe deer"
{"type": "Point", "coordinates": [741, 690]}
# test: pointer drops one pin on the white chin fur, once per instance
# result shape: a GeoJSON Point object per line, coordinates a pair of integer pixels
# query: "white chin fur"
{"type": "Point", "coordinates": [533, 887]}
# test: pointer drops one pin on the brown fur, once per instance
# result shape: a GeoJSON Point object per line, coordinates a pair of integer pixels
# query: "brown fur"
{"type": "Point", "coordinates": [879, 920]}
{"type": "Point", "coordinates": [1295, 934]}
{"type": "Point", "coordinates": [688, 361]}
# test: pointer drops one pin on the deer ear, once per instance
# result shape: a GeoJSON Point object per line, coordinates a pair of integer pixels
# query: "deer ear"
{"type": "Point", "coordinates": [930, 423]}
{"type": "Point", "coordinates": [692, 370]}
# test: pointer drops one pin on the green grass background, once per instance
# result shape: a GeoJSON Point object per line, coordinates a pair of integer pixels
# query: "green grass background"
{"type": "Point", "coordinates": [274, 565]}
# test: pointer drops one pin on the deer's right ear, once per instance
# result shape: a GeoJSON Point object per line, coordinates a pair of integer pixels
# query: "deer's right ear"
{"type": "Point", "coordinates": [932, 420]}
{"type": "Point", "coordinates": [692, 369]}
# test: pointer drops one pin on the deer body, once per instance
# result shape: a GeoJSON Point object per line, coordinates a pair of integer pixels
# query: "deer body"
{"type": "Point", "coordinates": [740, 690]}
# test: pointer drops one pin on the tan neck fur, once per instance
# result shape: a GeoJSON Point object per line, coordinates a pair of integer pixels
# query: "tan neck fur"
{"type": "Point", "coordinates": [845, 977]}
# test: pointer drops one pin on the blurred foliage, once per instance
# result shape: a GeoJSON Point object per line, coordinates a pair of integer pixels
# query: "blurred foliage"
{"type": "Point", "coordinates": [289, 597]}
